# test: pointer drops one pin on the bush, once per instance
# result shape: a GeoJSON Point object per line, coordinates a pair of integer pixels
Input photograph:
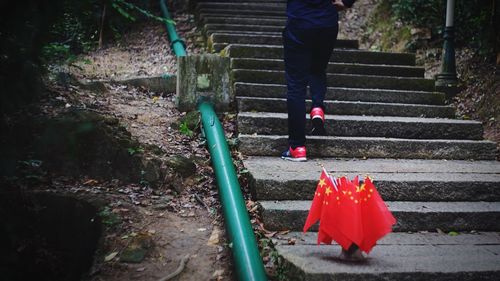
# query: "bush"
{"type": "Point", "coordinates": [474, 25]}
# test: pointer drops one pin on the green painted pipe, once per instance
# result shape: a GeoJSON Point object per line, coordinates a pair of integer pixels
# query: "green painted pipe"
{"type": "Point", "coordinates": [176, 42]}
{"type": "Point", "coordinates": [247, 261]}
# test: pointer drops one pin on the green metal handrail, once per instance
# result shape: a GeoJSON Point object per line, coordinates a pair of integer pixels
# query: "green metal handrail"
{"type": "Point", "coordinates": [176, 42]}
{"type": "Point", "coordinates": [247, 260]}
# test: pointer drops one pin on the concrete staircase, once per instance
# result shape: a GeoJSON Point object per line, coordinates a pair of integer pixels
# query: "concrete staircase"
{"type": "Point", "coordinates": [435, 172]}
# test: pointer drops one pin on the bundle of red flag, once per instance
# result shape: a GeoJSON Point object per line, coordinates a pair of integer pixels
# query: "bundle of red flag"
{"type": "Point", "coordinates": [349, 212]}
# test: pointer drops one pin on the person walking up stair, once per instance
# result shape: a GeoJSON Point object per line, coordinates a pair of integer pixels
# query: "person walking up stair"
{"type": "Point", "coordinates": [308, 41]}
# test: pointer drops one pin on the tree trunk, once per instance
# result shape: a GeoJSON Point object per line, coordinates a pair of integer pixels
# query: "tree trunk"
{"type": "Point", "coordinates": [101, 29]}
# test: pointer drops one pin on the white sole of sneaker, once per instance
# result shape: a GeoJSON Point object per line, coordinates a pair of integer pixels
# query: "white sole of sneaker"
{"type": "Point", "coordinates": [300, 159]}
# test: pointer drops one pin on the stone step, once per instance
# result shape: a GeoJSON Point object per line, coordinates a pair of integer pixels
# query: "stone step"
{"type": "Point", "coordinates": [340, 80]}
{"type": "Point", "coordinates": [245, 5]}
{"type": "Point", "coordinates": [202, 16]}
{"type": "Point", "coordinates": [334, 67]}
{"type": "Point", "coordinates": [348, 56]}
{"type": "Point", "coordinates": [229, 19]}
{"type": "Point", "coordinates": [410, 216]}
{"type": "Point", "coordinates": [220, 40]}
{"type": "Point", "coordinates": [271, 123]}
{"type": "Point", "coordinates": [247, 1]}
{"type": "Point", "coordinates": [402, 238]}
{"type": "Point", "coordinates": [362, 147]}
{"type": "Point", "coordinates": [396, 179]}
{"type": "Point", "coordinates": [399, 256]}
{"type": "Point", "coordinates": [243, 32]}
{"type": "Point", "coordinates": [253, 104]}
{"type": "Point", "coordinates": [345, 94]}
{"type": "Point", "coordinates": [241, 12]}
{"type": "Point", "coordinates": [215, 27]}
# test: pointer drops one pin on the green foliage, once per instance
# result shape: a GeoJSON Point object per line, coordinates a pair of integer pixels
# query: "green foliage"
{"type": "Point", "coordinates": [189, 123]}
{"type": "Point", "coordinates": [125, 8]}
{"type": "Point", "coordinates": [281, 269]}
{"type": "Point", "coordinates": [132, 150]}
{"type": "Point", "coordinates": [393, 36]}
{"type": "Point", "coordinates": [57, 52]}
{"type": "Point", "coordinates": [109, 218]}
{"type": "Point", "coordinates": [419, 12]}
{"type": "Point", "coordinates": [184, 129]}
{"type": "Point", "coordinates": [143, 181]}
{"type": "Point", "coordinates": [42, 31]}
{"type": "Point", "coordinates": [473, 19]}
{"type": "Point", "coordinates": [267, 249]}
{"type": "Point", "coordinates": [81, 23]}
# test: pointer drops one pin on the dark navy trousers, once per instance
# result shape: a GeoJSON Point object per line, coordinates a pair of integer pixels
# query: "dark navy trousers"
{"type": "Point", "coordinates": [306, 54]}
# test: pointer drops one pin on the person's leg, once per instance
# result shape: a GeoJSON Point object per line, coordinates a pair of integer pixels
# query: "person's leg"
{"type": "Point", "coordinates": [297, 58]}
{"type": "Point", "coordinates": [322, 48]}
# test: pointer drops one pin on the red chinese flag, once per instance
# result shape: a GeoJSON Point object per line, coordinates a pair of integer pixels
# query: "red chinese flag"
{"type": "Point", "coordinates": [328, 226]}
{"type": "Point", "coordinates": [323, 237]}
{"type": "Point", "coordinates": [350, 213]}
{"type": "Point", "coordinates": [377, 220]}
{"type": "Point", "coordinates": [317, 203]}
{"type": "Point", "coordinates": [340, 219]}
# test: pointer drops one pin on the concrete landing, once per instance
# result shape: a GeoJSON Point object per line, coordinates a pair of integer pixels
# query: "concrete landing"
{"type": "Point", "coordinates": [401, 257]}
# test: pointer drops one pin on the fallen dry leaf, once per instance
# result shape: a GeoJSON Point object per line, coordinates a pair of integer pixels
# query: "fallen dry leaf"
{"type": "Point", "coordinates": [214, 237]}
{"type": "Point", "coordinates": [110, 256]}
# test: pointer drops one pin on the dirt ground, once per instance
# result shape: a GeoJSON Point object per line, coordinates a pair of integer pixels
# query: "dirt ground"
{"type": "Point", "coordinates": [177, 225]}
{"type": "Point", "coordinates": [353, 21]}
{"type": "Point", "coordinates": [144, 51]}
{"type": "Point", "coordinates": [179, 220]}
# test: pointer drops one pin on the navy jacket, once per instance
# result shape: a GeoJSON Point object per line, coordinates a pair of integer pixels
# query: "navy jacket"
{"type": "Point", "coordinates": [305, 14]}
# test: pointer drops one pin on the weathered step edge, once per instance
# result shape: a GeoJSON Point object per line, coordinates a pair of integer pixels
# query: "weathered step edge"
{"type": "Point", "coordinates": [334, 67]}
{"type": "Point", "coordinates": [394, 262]}
{"type": "Point", "coordinates": [229, 19]}
{"type": "Point", "coordinates": [252, 104]}
{"type": "Point", "coordinates": [242, 12]}
{"type": "Point", "coordinates": [345, 94]}
{"type": "Point", "coordinates": [248, 5]}
{"type": "Point", "coordinates": [410, 216]}
{"type": "Point", "coordinates": [340, 80]}
{"type": "Point", "coordinates": [358, 147]}
{"type": "Point", "coordinates": [351, 56]}
{"type": "Point", "coordinates": [220, 39]}
{"type": "Point", "coordinates": [392, 187]}
{"type": "Point", "coordinates": [269, 123]}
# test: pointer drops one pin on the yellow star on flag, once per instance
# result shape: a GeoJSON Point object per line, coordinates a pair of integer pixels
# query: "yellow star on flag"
{"type": "Point", "coordinates": [328, 191]}
{"type": "Point", "coordinates": [322, 182]}
{"type": "Point", "coordinates": [360, 188]}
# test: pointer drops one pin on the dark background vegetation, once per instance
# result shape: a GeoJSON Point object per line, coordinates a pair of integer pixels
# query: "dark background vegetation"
{"type": "Point", "coordinates": [476, 24]}
{"type": "Point", "coordinates": [34, 32]}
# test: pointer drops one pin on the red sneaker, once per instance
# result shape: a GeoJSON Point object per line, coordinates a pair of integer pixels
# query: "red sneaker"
{"type": "Point", "coordinates": [317, 112]}
{"type": "Point", "coordinates": [297, 155]}
{"type": "Point", "coordinates": [318, 121]}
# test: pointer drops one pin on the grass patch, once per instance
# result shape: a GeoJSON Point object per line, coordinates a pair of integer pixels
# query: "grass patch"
{"type": "Point", "coordinates": [389, 33]}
